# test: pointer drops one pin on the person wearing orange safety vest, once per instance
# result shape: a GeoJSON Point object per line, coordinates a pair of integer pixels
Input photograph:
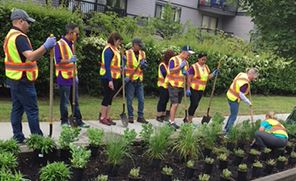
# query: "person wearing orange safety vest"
{"type": "Point", "coordinates": [111, 73]}
{"type": "Point", "coordinates": [237, 91]}
{"type": "Point", "coordinates": [271, 134]}
{"type": "Point", "coordinates": [65, 60]}
{"type": "Point", "coordinates": [177, 73]}
{"type": "Point", "coordinates": [198, 76]}
{"type": "Point", "coordinates": [135, 64]}
{"type": "Point", "coordinates": [21, 71]}
{"type": "Point", "coordinates": [164, 97]}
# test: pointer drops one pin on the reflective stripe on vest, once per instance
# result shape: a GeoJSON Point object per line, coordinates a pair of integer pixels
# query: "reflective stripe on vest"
{"type": "Point", "coordinates": [114, 65]}
{"type": "Point", "coordinates": [161, 80]}
{"type": "Point", "coordinates": [277, 128]}
{"type": "Point", "coordinates": [65, 68]}
{"type": "Point", "coordinates": [234, 89]}
{"type": "Point", "coordinates": [132, 62]}
{"type": "Point", "coordinates": [200, 78]}
{"type": "Point", "coordinates": [176, 79]}
{"type": "Point", "coordinates": [14, 67]}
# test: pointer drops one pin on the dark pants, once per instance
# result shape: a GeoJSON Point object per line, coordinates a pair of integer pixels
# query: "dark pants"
{"type": "Point", "coordinates": [194, 101]}
{"type": "Point", "coordinates": [109, 93]}
{"type": "Point", "coordinates": [24, 99]}
{"type": "Point", "coordinates": [163, 99]}
{"type": "Point", "coordinates": [65, 98]}
{"type": "Point", "coordinates": [135, 88]}
{"type": "Point", "coordinates": [264, 139]}
{"type": "Point", "coordinates": [234, 105]}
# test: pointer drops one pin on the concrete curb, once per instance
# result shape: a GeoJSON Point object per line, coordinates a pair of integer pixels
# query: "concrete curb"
{"type": "Point", "coordinates": [288, 175]}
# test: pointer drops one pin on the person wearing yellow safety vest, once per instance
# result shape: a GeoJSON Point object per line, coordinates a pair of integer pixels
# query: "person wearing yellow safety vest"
{"type": "Point", "coordinates": [237, 91]}
{"type": "Point", "coordinates": [164, 97]}
{"type": "Point", "coordinates": [135, 64]}
{"type": "Point", "coordinates": [198, 76]}
{"type": "Point", "coordinates": [21, 71]}
{"type": "Point", "coordinates": [178, 67]}
{"type": "Point", "coordinates": [111, 73]}
{"type": "Point", "coordinates": [271, 134]}
{"type": "Point", "coordinates": [65, 60]}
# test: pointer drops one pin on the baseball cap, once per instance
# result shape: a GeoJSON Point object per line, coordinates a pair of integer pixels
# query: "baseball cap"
{"type": "Point", "coordinates": [138, 41]}
{"type": "Point", "coordinates": [21, 14]}
{"type": "Point", "coordinates": [188, 49]}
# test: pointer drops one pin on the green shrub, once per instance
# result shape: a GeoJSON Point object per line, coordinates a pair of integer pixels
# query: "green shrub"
{"type": "Point", "coordinates": [146, 132]}
{"type": "Point", "coordinates": [68, 135]}
{"type": "Point", "coordinates": [242, 167]}
{"type": "Point", "coordinates": [7, 175]}
{"type": "Point", "coordinates": [80, 156]}
{"type": "Point", "coordinates": [55, 171]}
{"type": "Point", "coordinates": [9, 146]}
{"type": "Point", "coordinates": [95, 136]}
{"type": "Point", "coordinates": [38, 142]}
{"type": "Point", "coordinates": [203, 177]}
{"type": "Point", "coordinates": [102, 178]}
{"type": "Point", "coordinates": [135, 172]}
{"type": "Point", "coordinates": [8, 161]}
{"type": "Point", "coordinates": [167, 170]}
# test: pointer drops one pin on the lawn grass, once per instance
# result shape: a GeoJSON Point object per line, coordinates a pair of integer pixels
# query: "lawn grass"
{"type": "Point", "coordinates": [90, 107]}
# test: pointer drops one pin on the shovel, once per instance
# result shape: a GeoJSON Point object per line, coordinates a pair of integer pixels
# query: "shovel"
{"type": "Point", "coordinates": [251, 109]}
{"type": "Point", "coordinates": [51, 55]}
{"type": "Point", "coordinates": [185, 120]}
{"type": "Point", "coordinates": [207, 118]}
{"type": "Point", "coordinates": [123, 116]}
{"type": "Point", "coordinates": [72, 118]}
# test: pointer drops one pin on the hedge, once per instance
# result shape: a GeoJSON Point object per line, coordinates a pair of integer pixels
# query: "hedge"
{"type": "Point", "coordinates": [276, 74]}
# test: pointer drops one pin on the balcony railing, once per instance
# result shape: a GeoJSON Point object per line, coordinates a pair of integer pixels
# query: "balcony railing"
{"type": "Point", "coordinates": [221, 7]}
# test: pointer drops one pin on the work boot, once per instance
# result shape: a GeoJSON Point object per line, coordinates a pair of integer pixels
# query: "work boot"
{"type": "Point", "coordinates": [131, 120]}
{"type": "Point", "coordinates": [142, 120]}
{"type": "Point", "coordinates": [174, 125]}
{"type": "Point", "coordinates": [159, 118]}
{"type": "Point", "coordinates": [111, 122]}
{"type": "Point", "coordinates": [105, 121]}
{"type": "Point", "coordinates": [81, 124]}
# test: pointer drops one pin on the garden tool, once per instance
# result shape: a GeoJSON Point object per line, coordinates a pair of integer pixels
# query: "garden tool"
{"type": "Point", "coordinates": [51, 57]}
{"type": "Point", "coordinates": [207, 118]}
{"type": "Point", "coordinates": [72, 118]}
{"type": "Point", "coordinates": [251, 108]}
{"type": "Point", "coordinates": [123, 116]}
{"type": "Point", "coordinates": [185, 120]}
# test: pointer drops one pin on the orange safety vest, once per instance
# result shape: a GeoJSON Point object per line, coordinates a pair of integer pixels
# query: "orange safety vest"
{"type": "Point", "coordinates": [14, 67]}
{"type": "Point", "coordinates": [176, 79]}
{"type": "Point", "coordinates": [64, 67]}
{"type": "Point", "coordinates": [132, 63]}
{"type": "Point", "coordinates": [234, 89]}
{"type": "Point", "coordinates": [200, 78]}
{"type": "Point", "coordinates": [276, 128]}
{"type": "Point", "coordinates": [161, 80]}
{"type": "Point", "coordinates": [115, 63]}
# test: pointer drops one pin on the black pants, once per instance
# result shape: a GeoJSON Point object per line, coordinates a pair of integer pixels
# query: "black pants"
{"type": "Point", "coordinates": [109, 93]}
{"type": "Point", "coordinates": [194, 101]}
{"type": "Point", "coordinates": [163, 99]}
{"type": "Point", "coordinates": [264, 139]}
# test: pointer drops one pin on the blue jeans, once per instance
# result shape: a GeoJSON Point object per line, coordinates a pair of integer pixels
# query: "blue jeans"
{"type": "Point", "coordinates": [65, 98]}
{"type": "Point", "coordinates": [234, 105]}
{"type": "Point", "coordinates": [24, 99]}
{"type": "Point", "coordinates": [135, 88]}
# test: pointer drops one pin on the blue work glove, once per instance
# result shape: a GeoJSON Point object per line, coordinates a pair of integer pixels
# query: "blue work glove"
{"type": "Point", "coordinates": [124, 59]}
{"type": "Point", "coordinates": [188, 93]}
{"type": "Point", "coordinates": [73, 59]}
{"type": "Point", "coordinates": [50, 42]}
{"type": "Point", "coordinates": [143, 64]}
{"type": "Point", "coordinates": [127, 79]}
{"type": "Point", "coordinates": [216, 72]}
{"type": "Point", "coordinates": [183, 63]}
{"type": "Point", "coordinates": [184, 72]}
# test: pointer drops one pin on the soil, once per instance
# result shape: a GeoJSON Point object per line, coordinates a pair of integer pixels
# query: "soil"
{"type": "Point", "coordinates": [97, 166]}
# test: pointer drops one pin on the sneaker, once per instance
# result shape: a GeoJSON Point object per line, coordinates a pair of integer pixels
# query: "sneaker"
{"type": "Point", "coordinates": [105, 121]}
{"type": "Point", "coordinates": [174, 125]}
{"type": "Point", "coordinates": [142, 120]}
{"type": "Point", "coordinates": [159, 118]}
{"type": "Point", "coordinates": [131, 120]}
{"type": "Point", "coordinates": [83, 125]}
{"type": "Point", "coordinates": [111, 122]}
{"type": "Point", "coordinates": [66, 124]}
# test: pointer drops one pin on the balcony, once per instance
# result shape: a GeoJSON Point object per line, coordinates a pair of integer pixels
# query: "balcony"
{"type": "Point", "coordinates": [218, 7]}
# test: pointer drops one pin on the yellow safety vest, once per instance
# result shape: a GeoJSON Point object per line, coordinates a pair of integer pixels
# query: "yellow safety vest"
{"type": "Point", "coordinates": [161, 80]}
{"type": "Point", "coordinates": [132, 62]}
{"type": "Point", "coordinates": [176, 79]}
{"type": "Point", "coordinates": [277, 128]}
{"type": "Point", "coordinates": [14, 67]}
{"type": "Point", "coordinates": [200, 78]}
{"type": "Point", "coordinates": [115, 63]}
{"type": "Point", "coordinates": [234, 89]}
{"type": "Point", "coordinates": [64, 67]}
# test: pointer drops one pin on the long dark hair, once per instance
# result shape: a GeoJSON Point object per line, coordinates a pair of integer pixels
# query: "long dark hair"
{"type": "Point", "coordinates": [113, 37]}
{"type": "Point", "coordinates": [167, 56]}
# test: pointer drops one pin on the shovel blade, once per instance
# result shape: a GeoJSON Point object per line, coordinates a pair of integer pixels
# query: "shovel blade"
{"type": "Point", "coordinates": [206, 119]}
{"type": "Point", "coordinates": [124, 119]}
{"type": "Point", "coordinates": [72, 122]}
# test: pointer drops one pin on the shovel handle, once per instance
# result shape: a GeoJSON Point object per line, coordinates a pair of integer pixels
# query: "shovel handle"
{"type": "Point", "coordinates": [51, 57]}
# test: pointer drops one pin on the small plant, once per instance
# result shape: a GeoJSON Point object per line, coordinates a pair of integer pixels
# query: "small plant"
{"type": "Point", "coordinates": [203, 177]}
{"type": "Point", "coordinates": [222, 157]}
{"type": "Point", "coordinates": [129, 136]}
{"type": "Point", "coordinates": [290, 144]}
{"type": "Point", "coordinates": [243, 167]}
{"type": "Point", "coordinates": [102, 178]}
{"type": "Point", "coordinates": [10, 146]}
{"type": "Point", "coordinates": [146, 132]}
{"type": "Point", "coordinates": [239, 153]}
{"type": "Point", "coordinates": [293, 154]}
{"type": "Point", "coordinates": [226, 174]}
{"type": "Point", "coordinates": [68, 135]}
{"type": "Point", "coordinates": [209, 160]}
{"type": "Point", "coordinates": [282, 159]}
{"type": "Point", "coordinates": [135, 172]}
{"type": "Point", "coordinates": [190, 164]}
{"type": "Point", "coordinates": [167, 170]}
{"type": "Point", "coordinates": [95, 136]}
{"type": "Point", "coordinates": [220, 150]}
{"type": "Point", "coordinates": [8, 175]}
{"type": "Point", "coordinates": [8, 161]}
{"type": "Point", "coordinates": [80, 156]}
{"type": "Point", "coordinates": [257, 164]}
{"type": "Point", "coordinates": [271, 162]}
{"type": "Point", "coordinates": [55, 171]}
{"type": "Point", "coordinates": [266, 150]}
{"type": "Point", "coordinates": [38, 142]}
{"type": "Point", "coordinates": [116, 150]}
{"type": "Point", "coordinates": [254, 152]}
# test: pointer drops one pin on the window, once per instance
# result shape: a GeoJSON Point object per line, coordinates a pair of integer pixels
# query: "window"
{"type": "Point", "coordinates": [118, 4]}
{"type": "Point", "coordinates": [209, 22]}
{"type": "Point", "coordinates": [159, 10]}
